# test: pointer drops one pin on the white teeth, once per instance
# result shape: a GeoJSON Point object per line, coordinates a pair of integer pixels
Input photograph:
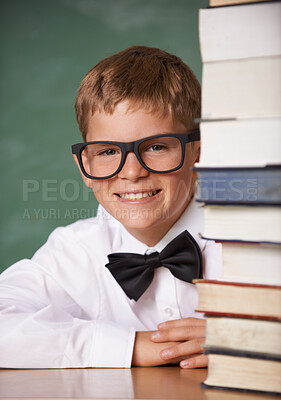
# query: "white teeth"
{"type": "Point", "coordinates": [137, 196]}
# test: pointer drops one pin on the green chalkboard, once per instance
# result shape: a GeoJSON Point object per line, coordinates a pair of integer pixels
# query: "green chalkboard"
{"type": "Point", "coordinates": [46, 49]}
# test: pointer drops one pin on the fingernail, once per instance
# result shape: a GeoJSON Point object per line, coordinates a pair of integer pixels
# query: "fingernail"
{"type": "Point", "coordinates": [162, 325]}
{"type": "Point", "coordinates": [166, 353]}
{"type": "Point", "coordinates": [155, 335]}
{"type": "Point", "coordinates": [184, 364]}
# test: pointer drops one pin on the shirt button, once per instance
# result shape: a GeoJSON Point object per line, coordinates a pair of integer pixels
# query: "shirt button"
{"type": "Point", "coordinates": [168, 311]}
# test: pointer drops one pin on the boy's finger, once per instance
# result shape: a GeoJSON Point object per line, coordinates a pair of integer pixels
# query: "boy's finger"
{"type": "Point", "coordinates": [179, 334]}
{"type": "Point", "coordinates": [195, 362]}
{"type": "Point", "coordinates": [183, 349]}
{"type": "Point", "coordinates": [176, 323]}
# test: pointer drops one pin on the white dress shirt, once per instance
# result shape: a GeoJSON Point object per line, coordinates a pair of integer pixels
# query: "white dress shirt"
{"type": "Point", "coordinates": [64, 309]}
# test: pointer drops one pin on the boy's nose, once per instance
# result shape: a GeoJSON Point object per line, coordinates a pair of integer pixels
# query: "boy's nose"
{"type": "Point", "coordinates": [132, 169]}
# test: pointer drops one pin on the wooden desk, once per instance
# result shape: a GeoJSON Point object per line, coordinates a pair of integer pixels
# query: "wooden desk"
{"type": "Point", "coordinates": [136, 383]}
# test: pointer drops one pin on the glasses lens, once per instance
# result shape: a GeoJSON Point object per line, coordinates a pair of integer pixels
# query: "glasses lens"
{"type": "Point", "coordinates": [162, 153]}
{"type": "Point", "coordinates": [101, 159]}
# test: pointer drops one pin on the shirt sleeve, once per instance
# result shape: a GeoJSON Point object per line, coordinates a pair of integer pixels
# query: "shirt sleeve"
{"type": "Point", "coordinates": [42, 326]}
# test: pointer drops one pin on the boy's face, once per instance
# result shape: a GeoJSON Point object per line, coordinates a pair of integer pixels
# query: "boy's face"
{"type": "Point", "coordinates": [150, 217]}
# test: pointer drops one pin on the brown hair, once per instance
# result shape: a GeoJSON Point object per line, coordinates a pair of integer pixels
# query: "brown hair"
{"type": "Point", "coordinates": [149, 78]}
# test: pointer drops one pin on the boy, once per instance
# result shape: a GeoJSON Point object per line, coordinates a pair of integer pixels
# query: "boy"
{"type": "Point", "coordinates": [77, 303]}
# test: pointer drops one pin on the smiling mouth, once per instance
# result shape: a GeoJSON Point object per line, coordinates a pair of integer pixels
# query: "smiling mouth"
{"type": "Point", "coordinates": [138, 195]}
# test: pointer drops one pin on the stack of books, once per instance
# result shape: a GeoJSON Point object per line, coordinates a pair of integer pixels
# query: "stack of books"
{"type": "Point", "coordinates": [239, 187]}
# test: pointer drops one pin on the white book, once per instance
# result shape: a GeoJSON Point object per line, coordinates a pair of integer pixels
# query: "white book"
{"type": "Point", "coordinates": [242, 373]}
{"type": "Point", "coordinates": [245, 223]}
{"type": "Point", "coordinates": [247, 334]}
{"type": "Point", "coordinates": [245, 262]}
{"type": "Point", "coordinates": [246, 88]}
{"type": "Point", "coordinates": [240, 32]}
{"type": "Point", "coordinates": [240, 143]}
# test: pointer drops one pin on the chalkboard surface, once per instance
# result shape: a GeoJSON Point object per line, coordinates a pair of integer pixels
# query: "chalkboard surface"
{"type": "Point", "coordinates": [46, 49]}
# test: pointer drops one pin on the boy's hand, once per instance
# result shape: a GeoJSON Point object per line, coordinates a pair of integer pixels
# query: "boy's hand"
{"type": "Point", "coordinates": [190, 334]}
{"type": "Point", "coordinates": [147, 353]}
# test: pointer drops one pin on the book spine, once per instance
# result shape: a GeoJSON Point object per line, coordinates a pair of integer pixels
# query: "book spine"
{"type": "Point", "coordinates": [240, 353]}
{"type": "Point", "coordinates": [239, 186]}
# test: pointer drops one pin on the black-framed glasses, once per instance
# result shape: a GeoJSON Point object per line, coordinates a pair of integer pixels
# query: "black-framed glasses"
{"type": "Point", "coordinates": [159, 154]}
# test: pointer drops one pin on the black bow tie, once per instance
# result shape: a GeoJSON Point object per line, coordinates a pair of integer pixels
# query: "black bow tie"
{"type": "Point", "coordinates": [134, 272]}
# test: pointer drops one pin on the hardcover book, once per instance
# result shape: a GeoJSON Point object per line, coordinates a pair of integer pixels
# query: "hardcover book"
{"type": "Point", "coordinates": [244, 88]}
{"type": "Point", "coordinates": [262, 337]}
{"type": "Point", "coordinates": [222, 3]}
{"type": "Point", "coordinates": [243, 223]}
{"type": "Point", "coordinates": [239, 185]}
{"type": "Point", "coordinates": [236, 298]}
{"type": "Point", "coordinates": [240, 143]}
{"type": "Point", "coordinates": [251, 262]}
{"type": "Point", "coordinates": [247, 31]}
{"type": "Point", "coordinates": [247, 372]}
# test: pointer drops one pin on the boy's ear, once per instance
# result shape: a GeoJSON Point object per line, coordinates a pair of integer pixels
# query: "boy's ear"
{"type": "Point", "coordinates": [87, 181]}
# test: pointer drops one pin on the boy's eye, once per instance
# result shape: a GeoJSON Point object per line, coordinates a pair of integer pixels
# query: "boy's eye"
{"type": "Point", "coordinates": [107, 152]}
{"type": "Point", "coordinates": [157, 147]}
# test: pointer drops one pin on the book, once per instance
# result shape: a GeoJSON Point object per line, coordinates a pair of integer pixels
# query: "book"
{"type": "Point", "coordinates": [262, 337]}
{"type": "Point", "coordinates": [239, 185]}
{"type": "Point", "coordinates": [248, 223]}
{"type": "Point", "coordinates": [245, 262]}
{"type": "Point", "coordinates": [246, 31]}
{"type": "Point", "coordinates": [222, 3]}
{"type": "Point", "coordinates": [239, 299]}
{"type": "Point", "coordinates": [219, 394]}
{"type": "Point", "coordinates": [244, 88]}
{"type": "Point", "coordinates": [245, 373]}
{"type": "Point", "coordinates": [240, 189]}
{"type": "Point", "coordinates": [240, 143]}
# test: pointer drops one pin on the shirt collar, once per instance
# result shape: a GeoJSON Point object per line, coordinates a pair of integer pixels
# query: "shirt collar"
{"type": "Point", "coordinates": [191, 220]}
{"type": "Point", "coordinates": [121, 240]}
